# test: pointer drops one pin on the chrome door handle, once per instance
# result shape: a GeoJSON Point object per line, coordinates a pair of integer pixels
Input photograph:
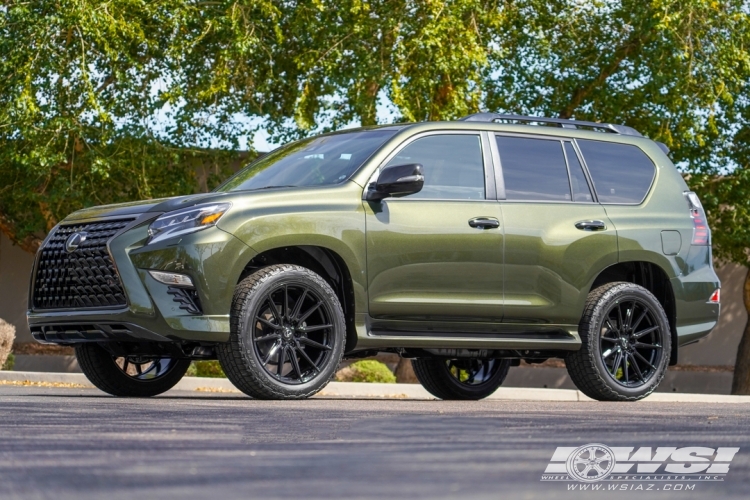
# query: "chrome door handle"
{"type": "Point", "coordinates": [591, 225]}
{"type": "Point", "coordinates": [484, 223]}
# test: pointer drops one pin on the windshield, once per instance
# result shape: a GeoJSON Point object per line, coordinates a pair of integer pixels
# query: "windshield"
{"type": "Point", "coordinates": [317, 161]}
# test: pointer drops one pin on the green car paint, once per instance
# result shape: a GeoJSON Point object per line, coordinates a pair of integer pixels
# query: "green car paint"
{"type": "Point", "coordinates": [413, 273]}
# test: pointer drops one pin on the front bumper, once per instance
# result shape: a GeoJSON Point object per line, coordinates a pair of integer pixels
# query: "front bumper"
{"type": "Point", "coordinates": [213, 259]}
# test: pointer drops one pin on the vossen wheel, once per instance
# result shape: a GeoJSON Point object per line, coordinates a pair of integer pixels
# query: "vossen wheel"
{"type": "Point", "coordinates": [625, 344]}
{"type": "Point", "coordinates": [463, 379]}
{"type": "Point", "coordinates": [287, 334]}
{"type": "Point", "coordinates": [132, 375]}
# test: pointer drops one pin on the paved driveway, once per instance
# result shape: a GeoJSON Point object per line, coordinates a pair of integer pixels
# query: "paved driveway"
{"type": "Point", "coordinates": [80, 444]}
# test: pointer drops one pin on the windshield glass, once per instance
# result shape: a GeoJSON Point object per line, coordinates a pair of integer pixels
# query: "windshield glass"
{"type": "Point", "coordinates": [317, 161]}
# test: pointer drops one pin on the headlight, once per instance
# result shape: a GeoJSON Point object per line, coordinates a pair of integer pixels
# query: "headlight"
{"type": "Point", "coordinates": [186, 221]}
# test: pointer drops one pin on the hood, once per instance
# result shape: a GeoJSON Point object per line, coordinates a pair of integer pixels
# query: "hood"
{"type": "Point", "coordinates": [160, 205]}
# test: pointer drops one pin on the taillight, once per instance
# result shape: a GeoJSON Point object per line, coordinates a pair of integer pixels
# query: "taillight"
{"type": "Point", "coordinates": [715, 297]}
{"type": "Point", "coordinates": [701, 232]}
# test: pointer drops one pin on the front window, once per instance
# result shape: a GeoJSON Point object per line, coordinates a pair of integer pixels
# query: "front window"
{"type": "Point", "coordinates": [318, 161]}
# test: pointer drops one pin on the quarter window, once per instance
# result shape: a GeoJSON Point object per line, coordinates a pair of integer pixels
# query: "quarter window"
{"type": "Point", "coordinates": [621, 173]}
{"type": "Point", "coordinates": [533, 169]}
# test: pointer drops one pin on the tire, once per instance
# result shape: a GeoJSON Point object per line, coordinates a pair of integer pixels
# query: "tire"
{"type": "Point", "coordinates": [110, 374]}
{"type": "Point", "coordinates": [283, 352]}
{"type": "Point", "coordinates": [625, 344]}
{"type": "Point", "coordinates": [440, 377]}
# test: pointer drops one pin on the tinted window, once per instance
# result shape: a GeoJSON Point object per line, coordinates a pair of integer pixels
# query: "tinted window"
{"type": "Point", "coordinates": [453, 167]}
{"type": "Point", "coordinates": [533, 169]}
{"type": "Point", "coordinates": [621, 173]}
{"type": "Point", "coordinates": [328, 159]}
{"type": "Point", "coordinates": [581, 190]}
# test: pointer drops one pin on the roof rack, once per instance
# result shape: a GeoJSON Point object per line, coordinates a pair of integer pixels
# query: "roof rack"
{"type": "Point", "coordinates": [606, 127]}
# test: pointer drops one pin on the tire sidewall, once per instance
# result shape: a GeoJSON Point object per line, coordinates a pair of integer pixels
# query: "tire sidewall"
{"type": "Point", "coordinates": [624, 293]}
{"type": "Point", "coordinates": [292, 275]}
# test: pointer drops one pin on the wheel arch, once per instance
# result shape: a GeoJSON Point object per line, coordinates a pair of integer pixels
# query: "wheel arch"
{"type": "Point", "coordinates": [323, 261]}
{"type": "Point", "coordinates": [654, 279]}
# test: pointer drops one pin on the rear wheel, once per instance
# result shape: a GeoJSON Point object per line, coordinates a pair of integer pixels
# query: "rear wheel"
{"type": "Point", "coordinates": [132, 375]}
{"type": "Point", "coordinates": [625, 344]}
{"type": "Point", "coordinates": [467, 379]}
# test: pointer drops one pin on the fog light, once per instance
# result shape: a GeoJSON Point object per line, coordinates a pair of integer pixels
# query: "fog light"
{"type": "Point", "coordinates": [171, 278]}
{"type": "Point", "coordinates": [715, 297]}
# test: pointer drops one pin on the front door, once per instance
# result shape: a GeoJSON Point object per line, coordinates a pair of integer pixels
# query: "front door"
{"type": "Point", "coordinates": [436, 257]}
{"type": "Point", "coordinates": [557, 238]}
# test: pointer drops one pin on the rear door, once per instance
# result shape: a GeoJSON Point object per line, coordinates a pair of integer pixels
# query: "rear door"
{"type": "Point", "coordinates": [557, 237]}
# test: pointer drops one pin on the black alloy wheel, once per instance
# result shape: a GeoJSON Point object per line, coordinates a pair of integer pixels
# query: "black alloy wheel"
{"type": "Point", "coordinates": [292, 333]}
{"type": "Point", "coordinates": [466, 379]}
{"type": "Point", "coordinates": [287, 334]}
{"type": "Point", "coordinates": [631, 342]}
{"type": "Point", "coordinates": [132, 375]}
{"type": "Point", "coordinates": [625, 344]}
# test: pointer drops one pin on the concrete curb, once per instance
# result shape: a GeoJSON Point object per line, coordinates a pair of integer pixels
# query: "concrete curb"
{"type": "Point", "coordinates": [389, 391]}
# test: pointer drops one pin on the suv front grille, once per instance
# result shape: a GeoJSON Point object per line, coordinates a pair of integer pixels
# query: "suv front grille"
{"type": "Point", "coordinates": [83, 278]}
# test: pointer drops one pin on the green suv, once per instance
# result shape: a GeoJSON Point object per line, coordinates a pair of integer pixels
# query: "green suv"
{"type": "Point", "coordinates": [466, 246]}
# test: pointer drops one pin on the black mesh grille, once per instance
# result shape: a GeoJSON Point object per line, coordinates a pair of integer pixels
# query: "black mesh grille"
{"type": "Point", "coordinates": [83, 278]}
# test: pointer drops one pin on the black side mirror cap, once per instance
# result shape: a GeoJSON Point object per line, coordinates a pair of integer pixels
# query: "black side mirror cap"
{"type": "Point", "coordinates": [397, 181]}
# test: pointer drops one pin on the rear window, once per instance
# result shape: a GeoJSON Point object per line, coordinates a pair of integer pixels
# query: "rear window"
{"type": "Point", "coordinates": [533, 169]}
{"type": "Point", "coordinates": [621, 173]}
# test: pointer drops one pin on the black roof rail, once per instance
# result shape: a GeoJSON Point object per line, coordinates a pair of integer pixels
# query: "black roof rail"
{"type": "Point", "coordinates": [607, 127]}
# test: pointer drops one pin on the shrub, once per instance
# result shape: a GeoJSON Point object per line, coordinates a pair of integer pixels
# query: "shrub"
{"type": "Point", "coordinates": [211, 369]}
{"type": "Point", "coordinates": [7, 335]}
{"type": "Point", "coordinates": [366, 370]}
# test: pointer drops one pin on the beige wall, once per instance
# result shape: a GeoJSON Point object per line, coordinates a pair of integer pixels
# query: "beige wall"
{"type": "Point", "coordinates": [15, 271]}
{"type": "Point", "coordinates": [719, 348]}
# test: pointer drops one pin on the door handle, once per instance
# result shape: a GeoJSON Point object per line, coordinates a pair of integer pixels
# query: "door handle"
{"type": "Point", "coordinates": [484, 223]}
{"type": "Point", "coordinates": [591, 225]}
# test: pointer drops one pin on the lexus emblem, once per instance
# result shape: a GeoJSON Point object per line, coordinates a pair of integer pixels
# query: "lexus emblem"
{"type": "Point", "coordinates": [74, 241]}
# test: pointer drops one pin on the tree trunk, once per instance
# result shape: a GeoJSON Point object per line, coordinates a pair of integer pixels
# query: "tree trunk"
{"type": "Point", "coordinates": [741, 381]}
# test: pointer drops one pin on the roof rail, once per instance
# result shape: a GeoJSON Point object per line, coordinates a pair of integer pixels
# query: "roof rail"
{"type": "Point", "coordinates": [607, 127]}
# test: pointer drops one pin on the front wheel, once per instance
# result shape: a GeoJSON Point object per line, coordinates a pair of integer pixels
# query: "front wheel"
{"type": "Point", "coordinates": [129, 376]}
{"type": "Point", "coordinates": [287, 334]}
{"type": "Point", "coordinates": [466, 379]}
{"type": "Point", "coordinates": [625, 344]}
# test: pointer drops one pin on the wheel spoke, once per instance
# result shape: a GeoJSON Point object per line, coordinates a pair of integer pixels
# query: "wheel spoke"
{"type": "Point", "coordinates": [138, 369]}
{"type": "Point", "coordinates": [644, 360]}
{"type": "Point", "coordinates": [637, 368]}
{"type": "Point", "coordinates": [295, 363]}
{"type": "Point", "coordinates": [267, 323]}
{"type": "Point", "coordinates": [629, 319]}
{"type": "Point", "coordinates": [274, 309]}
{"type": "Point", "coordinates": [614, 341]}
{"type": "Point", "coordinates": [640, 318]}
{"type": "Point", "coordinates": [309, 312]}
{"type": "Point", "coordinates": [625, 370]}
{"type": "Point", "coordinates": [608, 353]}
{"type": "Point", "coordinates": [125, 364]}
{"type": "Point", "coordinates": [619, 318]}
{"type": "Point", "coordinates": [307, 358]}
{"type": "Point", "coordinates": [609, 325]}
{"type": "Point", "coordinates": [286, 303]}
{"type": "Point", "coordinates": [282, 360]}
{"type": "Point", "coordinates": [640, 345]}
{"type": "Point", "coordinates": [312, 343]}
{"type": "Point", "coordinates": [315, 328]}
{"type": "Point", "coordinates": [298, 305]}
{"type": "Point", "coordinates": [271, 352]}
{"type": "Point", "coordinates": [646, 331]}
{"type": "Point", "coordinates": [270, 336]}
{"type": "Point", "coordinates": [616, 364]}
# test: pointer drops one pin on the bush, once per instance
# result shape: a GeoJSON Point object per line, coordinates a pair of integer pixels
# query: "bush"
{"type": "Point", "coordinates": [366, 370]}
{"type": "Point", "coordinates": [211, 369]}
{"type": "Point", "coordinates": [7, 335]}
{"type": "Point", "coordinates": [9, 363]}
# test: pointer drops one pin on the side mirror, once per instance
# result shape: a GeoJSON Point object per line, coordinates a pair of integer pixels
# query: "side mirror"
{"type": "Point", "coordinates": [396, 181]}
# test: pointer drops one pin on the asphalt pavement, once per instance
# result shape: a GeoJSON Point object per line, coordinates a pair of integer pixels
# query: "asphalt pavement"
{"type": "Point", "coordinates": [81, 444]}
